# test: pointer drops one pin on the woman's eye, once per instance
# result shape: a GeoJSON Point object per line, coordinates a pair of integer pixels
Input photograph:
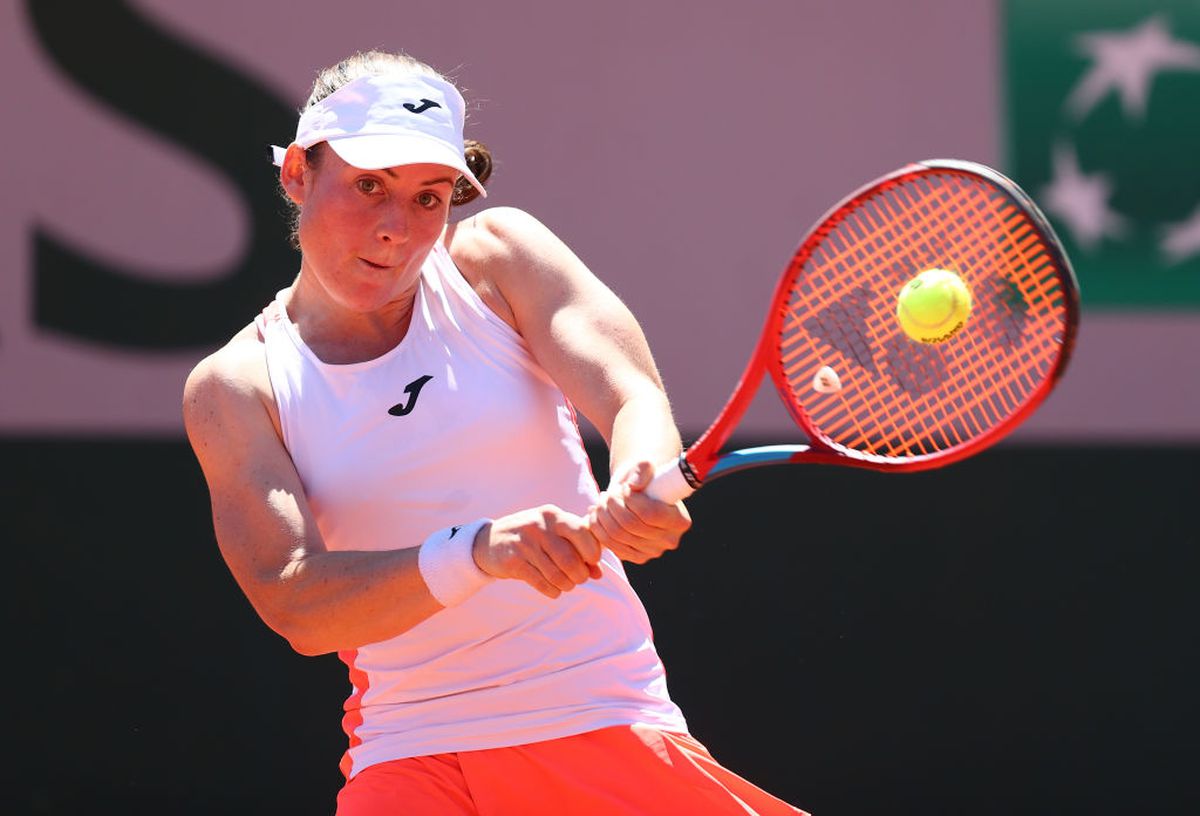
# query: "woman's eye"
{"type": "Point", "coordinates": [368, 185]}
{"type": "Point", "coordinates": [428, 200]}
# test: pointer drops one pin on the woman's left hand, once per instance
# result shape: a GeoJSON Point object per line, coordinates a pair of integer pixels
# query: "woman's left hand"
{"type": "Point", "coordinates": [634, 526]}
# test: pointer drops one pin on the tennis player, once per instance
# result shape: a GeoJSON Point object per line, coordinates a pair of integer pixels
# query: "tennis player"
{"type": "Point", "coordinates": [397, 475]}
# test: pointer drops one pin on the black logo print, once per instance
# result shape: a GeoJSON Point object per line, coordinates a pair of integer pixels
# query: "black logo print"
{"type": "Point", "coordinates": [413, 389]}
{"type": "Point", "coordinates": [425, 105]}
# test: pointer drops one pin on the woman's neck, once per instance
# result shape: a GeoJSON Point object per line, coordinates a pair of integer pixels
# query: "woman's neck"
{"type": "Point", "coordinates": [340, 335]}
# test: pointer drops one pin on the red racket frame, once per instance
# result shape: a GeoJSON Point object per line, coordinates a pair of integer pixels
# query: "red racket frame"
{"type": "Point", "coordinates": [700, 459]}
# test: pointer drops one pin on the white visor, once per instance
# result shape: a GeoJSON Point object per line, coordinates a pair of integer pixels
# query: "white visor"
{"type": "Point", "coordinates": [389, 120]}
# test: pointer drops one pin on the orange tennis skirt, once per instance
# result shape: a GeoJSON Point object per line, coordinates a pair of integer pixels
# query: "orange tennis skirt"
{"type": "Point", "coordinates": [612, 771]}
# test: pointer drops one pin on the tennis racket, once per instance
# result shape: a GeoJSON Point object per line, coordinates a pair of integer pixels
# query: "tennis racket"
{"type": "Point", "coordinates": [860, 389]}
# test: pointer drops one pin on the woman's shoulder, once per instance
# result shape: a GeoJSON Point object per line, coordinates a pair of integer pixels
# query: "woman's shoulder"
{"type": "Point", "coordinates": [228, 405]}
{"type": "Point", "coordinates": [499, 242]}
{"type": "Point", "coordinates": [491, 234]}
{"type": "Point", "coordinates": [496, 251]}
{"type": "Point", "coordinates": [233, 375]}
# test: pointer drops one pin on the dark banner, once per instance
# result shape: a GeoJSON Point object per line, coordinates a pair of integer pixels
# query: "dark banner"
{"type": "Point", "coordinates": [1014, 634]}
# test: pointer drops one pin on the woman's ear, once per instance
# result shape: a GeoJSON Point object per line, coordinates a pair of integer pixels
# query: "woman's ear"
{"type": "Point", "coordinates": [294, 174]}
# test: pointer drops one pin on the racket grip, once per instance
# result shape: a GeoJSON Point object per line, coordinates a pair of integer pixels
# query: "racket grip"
{"type": "Point", "coordinates": [669, 484]}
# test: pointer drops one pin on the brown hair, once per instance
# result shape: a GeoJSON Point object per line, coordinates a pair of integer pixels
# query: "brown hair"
{"type": "Point", "coordinates": [376, 63]}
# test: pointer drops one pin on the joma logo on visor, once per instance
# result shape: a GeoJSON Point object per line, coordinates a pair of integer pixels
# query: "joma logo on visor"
{"type": "Point", "coordinates": [425, 105]}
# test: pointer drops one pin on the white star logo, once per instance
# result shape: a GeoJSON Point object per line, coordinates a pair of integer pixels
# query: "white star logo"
{"type": "Point", "coordinates": [1081, 201]}
{"type": "Point", "coordinates": [1182, 240]}
{"type": "Point", "coordinates": [1127, 62]}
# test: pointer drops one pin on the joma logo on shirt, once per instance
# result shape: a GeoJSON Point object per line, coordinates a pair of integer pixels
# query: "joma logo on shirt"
{"type": "Point", "coordinates": [413, 389]}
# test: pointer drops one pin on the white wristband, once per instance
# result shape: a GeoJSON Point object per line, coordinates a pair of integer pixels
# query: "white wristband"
{"type": "Point", "coordinates": [448, 565]}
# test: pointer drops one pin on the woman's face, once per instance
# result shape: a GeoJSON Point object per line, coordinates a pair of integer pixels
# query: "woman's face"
{"type": "Point", "coordinates": [365, 233]}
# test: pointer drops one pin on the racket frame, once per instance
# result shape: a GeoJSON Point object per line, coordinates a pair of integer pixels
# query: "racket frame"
{"type": "Point", "coordinates": [703, 461]}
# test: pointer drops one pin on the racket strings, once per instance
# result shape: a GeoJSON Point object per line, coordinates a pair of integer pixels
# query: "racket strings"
{"type": "Point", "coordinates": [988, 396]}
{"type": "Point", "coordinates": [901, 398]}
{"type": "Point", "coordinates": [978, 401]}
{"type": "Point", "coordinates": [981, 403]}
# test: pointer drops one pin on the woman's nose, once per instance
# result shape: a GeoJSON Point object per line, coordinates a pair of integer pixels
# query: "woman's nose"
{"type": "Point", "coordinates": [393, 226]}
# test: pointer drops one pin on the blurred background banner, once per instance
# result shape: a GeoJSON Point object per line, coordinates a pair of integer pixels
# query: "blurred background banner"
{"type": "Point", "coordinates": [1013, 632]}
{"type": "Point", "coordinates": [682, 156]}
{"type": "Point", "coordinates": [1102, 124]}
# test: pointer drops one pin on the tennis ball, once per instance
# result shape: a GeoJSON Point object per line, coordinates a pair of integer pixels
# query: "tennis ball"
{"type": "Point", "coordinates": [933, 306]}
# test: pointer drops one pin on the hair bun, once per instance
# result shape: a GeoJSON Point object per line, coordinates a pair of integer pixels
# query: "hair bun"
{"type": "Point", "coordinates": [479, 159]}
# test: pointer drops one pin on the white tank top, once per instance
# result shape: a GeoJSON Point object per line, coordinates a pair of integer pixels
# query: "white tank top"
{"type": "Point", "coordinates": [455, 423]}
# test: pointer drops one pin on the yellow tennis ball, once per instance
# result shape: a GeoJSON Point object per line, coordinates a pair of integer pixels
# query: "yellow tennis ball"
{"type": "Point", "coordinates": [933, 306]}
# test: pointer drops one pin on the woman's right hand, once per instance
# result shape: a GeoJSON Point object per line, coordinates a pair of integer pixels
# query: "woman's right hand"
{"type": "Point", "coordinates": [546, 547]}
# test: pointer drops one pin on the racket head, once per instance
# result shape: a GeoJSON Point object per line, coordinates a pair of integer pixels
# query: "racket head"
{"type": "Point", "coordinates": [901, 404]}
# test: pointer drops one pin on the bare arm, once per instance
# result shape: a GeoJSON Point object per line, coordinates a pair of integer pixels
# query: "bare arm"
{"type": "Point", "coordinates": [590, 343]}
{"type": "Point", "coordinates": [322, 601]}
{"type": "Point", "coordinates": [318, 600]}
